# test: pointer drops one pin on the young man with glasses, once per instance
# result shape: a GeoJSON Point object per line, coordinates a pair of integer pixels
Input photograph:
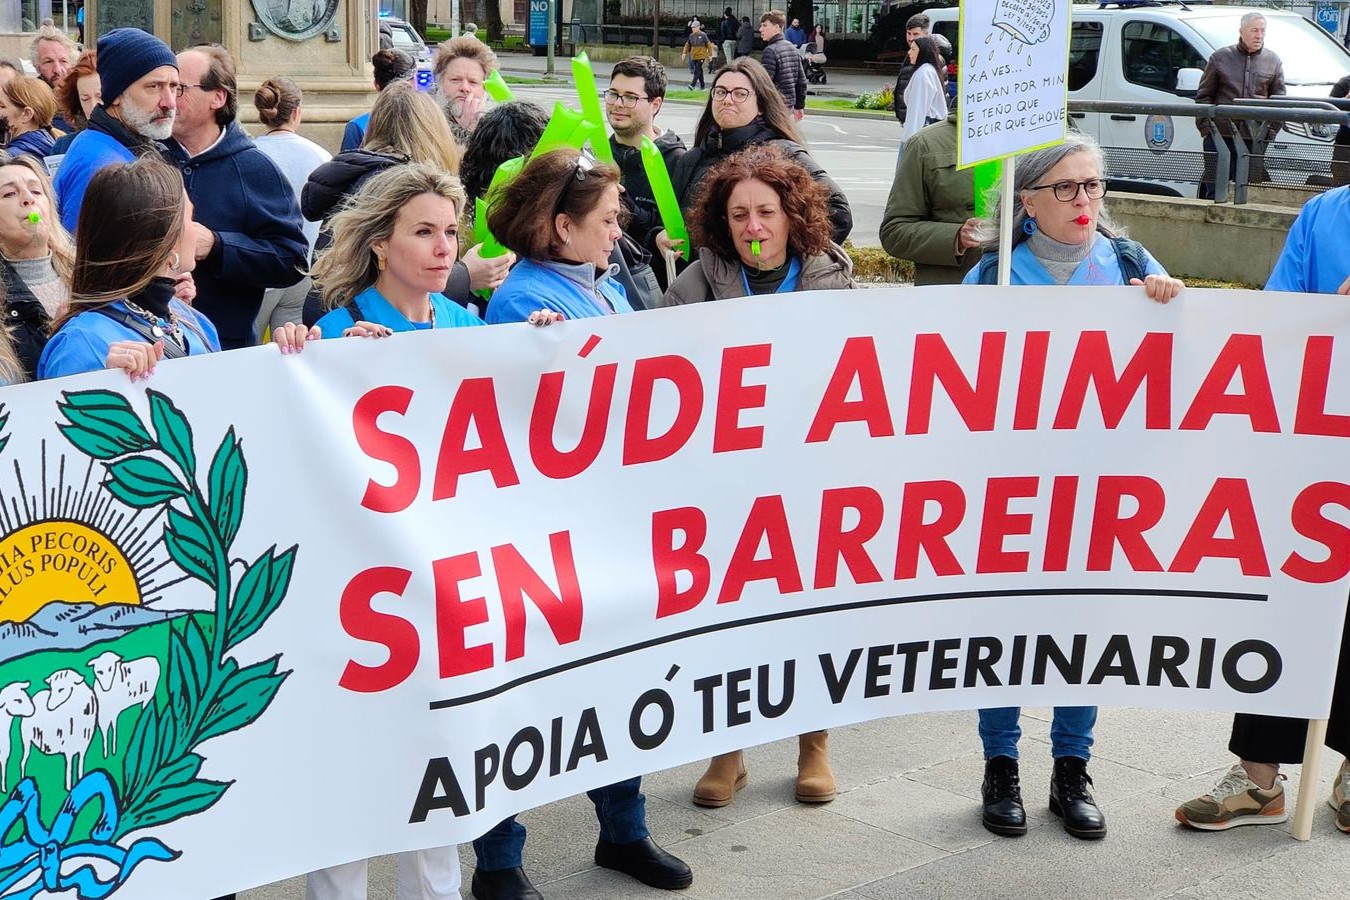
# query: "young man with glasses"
{"type": "Point", "coordinates": [141, 87]}
{"type": "Point", "coordinates": [637, 88]}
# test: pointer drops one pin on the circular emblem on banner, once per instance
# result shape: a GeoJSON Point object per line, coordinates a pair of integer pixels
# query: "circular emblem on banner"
{"type": "Point", "coordinates": [1158, 133]}
{"type": "Point", "coordinates": [296, 20]}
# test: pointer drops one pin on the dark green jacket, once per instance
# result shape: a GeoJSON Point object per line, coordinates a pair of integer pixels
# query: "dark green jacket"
{"type": "Point", "coordinates": [930, 201]}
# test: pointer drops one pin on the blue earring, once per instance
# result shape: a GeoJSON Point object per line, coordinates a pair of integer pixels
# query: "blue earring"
{"type": "Point", "coordinates": [1029, 226]}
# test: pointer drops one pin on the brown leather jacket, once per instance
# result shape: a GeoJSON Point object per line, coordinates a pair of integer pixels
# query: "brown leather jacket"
{"type": "Point", "coordinates": [1234, 72]}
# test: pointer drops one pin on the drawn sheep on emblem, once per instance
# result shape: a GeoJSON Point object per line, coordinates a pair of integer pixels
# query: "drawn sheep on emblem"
{"type": "Point", "coordinates": [118, 686]}
{"type": "Point", "coordinates": [14, 704]}
{"type": "Point", "coordinates": [62, 722]}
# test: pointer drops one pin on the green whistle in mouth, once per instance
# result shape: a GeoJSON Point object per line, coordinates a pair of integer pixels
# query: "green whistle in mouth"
{"type": "Point", "coordinates": [35, 217]}
{"type": "Point", "coordinates": [754, 248]}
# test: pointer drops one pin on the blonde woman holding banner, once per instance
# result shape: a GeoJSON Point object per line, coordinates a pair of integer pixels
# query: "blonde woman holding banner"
{"type": "Point", "coordinates": [1061, 236]}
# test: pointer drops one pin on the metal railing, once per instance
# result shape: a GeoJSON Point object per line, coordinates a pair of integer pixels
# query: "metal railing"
{"type": "Point", "coordinates": [1253, 113]}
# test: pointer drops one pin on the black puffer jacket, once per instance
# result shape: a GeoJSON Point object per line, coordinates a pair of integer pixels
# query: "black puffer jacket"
{"type": "Point", "coordinates": [25, 317]}
{"type": "Point", "coordinates": [719, 144]}
{"type": "Point", "coordinates": [336, 180]}
{"type": "Point", "coordinates": [783, 62]}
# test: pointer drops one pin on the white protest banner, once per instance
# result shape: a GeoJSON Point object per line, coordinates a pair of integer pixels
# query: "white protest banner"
{"type": "Point", "coordinates": [274, 613]}
{"type": "Point", "coordinates": [1012, 93]}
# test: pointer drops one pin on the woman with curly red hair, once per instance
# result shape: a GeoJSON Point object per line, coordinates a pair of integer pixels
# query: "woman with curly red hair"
{"type": "Point", "coordinates": [761, 226]}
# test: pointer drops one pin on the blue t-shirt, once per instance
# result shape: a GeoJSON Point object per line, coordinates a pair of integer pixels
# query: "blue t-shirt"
{"type": "Point", "coordinates": [380, 311]}
{"type": "Point", "coordinates": [82, 343]}
{"type": "Point", "coordinates": [355, 132]}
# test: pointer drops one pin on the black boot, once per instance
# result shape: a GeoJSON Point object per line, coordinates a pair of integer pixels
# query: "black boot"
{"type": "Point", "coordinates": [1071, 800]}
{"type": "Point", "coordinates": [503, 884]}
{"type": "Point", "coordinates": [646, 862]}
{"type": "Point", "coordinates": [1003, 811]}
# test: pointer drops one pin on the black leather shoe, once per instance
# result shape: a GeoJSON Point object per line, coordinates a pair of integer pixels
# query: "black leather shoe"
{"type": "Point", "coordinates": [504, 884]}
{"type": "Point", "coordinates": [646, 862]}
{"type": "Point", "coordinates": [1071, 800]}
{"type": "Point", "coordinates": [1003, 810]}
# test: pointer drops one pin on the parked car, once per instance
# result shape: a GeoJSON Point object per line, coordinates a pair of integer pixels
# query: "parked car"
{"type": "Point", "coordinates": [1155, 53]}
{"type": "Point", "coordinates": [406, 38]}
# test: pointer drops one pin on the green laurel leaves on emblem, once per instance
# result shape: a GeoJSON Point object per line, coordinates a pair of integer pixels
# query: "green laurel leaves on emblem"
{"type": "Point", "coordinates": [208, 692]}
{"type": "Point", "coordinates": [102, 424]}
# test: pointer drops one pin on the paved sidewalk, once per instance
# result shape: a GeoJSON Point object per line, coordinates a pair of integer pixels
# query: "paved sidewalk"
{"type": "Point", "coordinates": [906, 824]}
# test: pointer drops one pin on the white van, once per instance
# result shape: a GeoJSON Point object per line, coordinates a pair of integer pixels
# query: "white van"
{"type": "Point", "coordinates": [1138, 52]}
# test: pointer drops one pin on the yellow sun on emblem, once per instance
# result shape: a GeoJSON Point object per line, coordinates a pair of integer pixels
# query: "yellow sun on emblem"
{"type": "Point", "coordinates": [62, 560]}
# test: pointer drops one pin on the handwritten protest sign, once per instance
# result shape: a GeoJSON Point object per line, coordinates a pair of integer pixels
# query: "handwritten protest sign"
{"type": "Point", "coordinates": [380, 595]}
{"type": "Point", "coordinates": [1012, 91]}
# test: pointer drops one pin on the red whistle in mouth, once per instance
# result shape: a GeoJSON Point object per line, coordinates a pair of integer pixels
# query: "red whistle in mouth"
{"type": "Point", "coordinates": [1082, 220]}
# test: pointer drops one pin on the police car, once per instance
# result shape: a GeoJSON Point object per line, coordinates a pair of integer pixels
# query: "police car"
{"type": "Point", "coordinates": [1155, 52]}
{"type": "Point", "coordinates": [406, 38]}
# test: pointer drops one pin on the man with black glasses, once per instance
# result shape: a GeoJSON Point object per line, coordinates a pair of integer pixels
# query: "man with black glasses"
{"type": "Point", "coordinates": [637, 88]}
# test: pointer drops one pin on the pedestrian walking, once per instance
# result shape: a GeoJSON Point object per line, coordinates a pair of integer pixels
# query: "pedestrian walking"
{"type": "Point", "coordinates": [698, 48]}
{"type": "Point", "coordinates": [925, 98]}
{"type": "Point", "coordinates": [795, 34]}
{"type": "Point", "coordinates": [917, 26]}
{"type": "Point", "coordinates": [727, 29]}
{"type": "Point", "coordinates": [745, 38]}
{"type": "Point", "coordinates": [782, 60]}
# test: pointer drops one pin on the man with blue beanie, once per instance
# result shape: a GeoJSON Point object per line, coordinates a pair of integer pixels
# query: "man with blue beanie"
{"type": "Point", "coordinates": [139, 76]}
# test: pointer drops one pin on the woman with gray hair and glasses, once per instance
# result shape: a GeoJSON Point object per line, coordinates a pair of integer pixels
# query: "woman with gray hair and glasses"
{"type": "Point", "coordinates": [1061, 233]}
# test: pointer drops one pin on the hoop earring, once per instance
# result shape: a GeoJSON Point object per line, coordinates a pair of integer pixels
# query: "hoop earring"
{"type": "Point", "coordinates": [1029, 226]}
{"type": "Point", "coordinates": [174, 261]}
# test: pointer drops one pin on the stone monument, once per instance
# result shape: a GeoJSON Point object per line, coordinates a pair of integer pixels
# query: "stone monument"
{"type": "Point", "coordinates": [325, 45]}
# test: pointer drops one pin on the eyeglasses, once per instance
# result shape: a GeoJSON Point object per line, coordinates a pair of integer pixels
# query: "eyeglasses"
{"type": "Point", "coordinates": [581, 167]}
{"type": "Point", "coordinates": [155, 87]}
{"type": "Point", "coordinates": [1067, 191]}
{"type": "Point", "coordinates": [737, 95]}
{"type": "Point", "coordinates": [628, 101]}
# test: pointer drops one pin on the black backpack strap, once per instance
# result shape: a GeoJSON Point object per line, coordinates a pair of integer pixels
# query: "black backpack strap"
{"type": "Point", "coordinates": [135, 323]}
{"type": "Point", "coordinates": [1132, 257]}
{"type": "Point", "coordinates": [354, 310]}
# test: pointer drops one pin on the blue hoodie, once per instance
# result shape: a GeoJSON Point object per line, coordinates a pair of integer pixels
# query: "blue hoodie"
{"type": "Point", "coordinates": [37, 143]}
{"type": "Point", "coordinates": [244, 199]}
{"type": "Point", "coordinates": [104, 142]}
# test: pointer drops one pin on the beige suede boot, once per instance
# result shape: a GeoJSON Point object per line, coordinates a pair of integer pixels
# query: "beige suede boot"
{"type": "Point", "coordinates": [815, 781]}
{"type": "Point", "coordinates": [725, 776]}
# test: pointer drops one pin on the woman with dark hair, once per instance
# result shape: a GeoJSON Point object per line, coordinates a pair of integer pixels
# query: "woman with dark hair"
{"type": "Point", "coordinates": [123, 313]}
{"type": "Point", "coordinates": [27, 105]}
{"type": "Point", "coordinates": [76, 96]}
{"type": "Point", "coordinates": [925, 98]}
{"type": "Point", "coordinates": [506, 131]}
{"type": "Point", "coordinates": [561, 215]}
{"type": "Point", "coordinates": [760, 228]}
{"type": "Point", "coordinates": [744, 108]}
{"type": "Point", "coordinates": [36, 258]}
{"type": "Point", "coordinates": [390, 66]}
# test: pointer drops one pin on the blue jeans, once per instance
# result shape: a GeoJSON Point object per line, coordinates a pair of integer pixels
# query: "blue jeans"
{"type": "Point", "coordinates": [1070, 731]}
{"type": "Point", "coordinates": [620, 808]}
